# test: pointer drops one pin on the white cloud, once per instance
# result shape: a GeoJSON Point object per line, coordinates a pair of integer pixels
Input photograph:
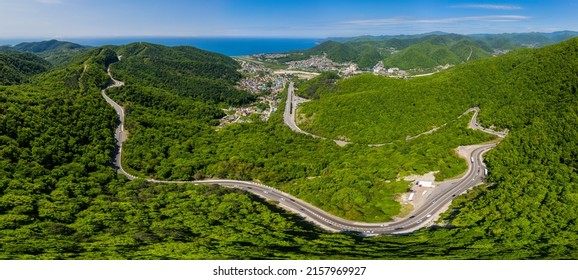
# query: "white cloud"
{"type": "Point", "coordinates": [402, 20]}
{"type": "Point", "coordinates": [488, 7]}
{"type": "Point", "coordinates": [50, 2]}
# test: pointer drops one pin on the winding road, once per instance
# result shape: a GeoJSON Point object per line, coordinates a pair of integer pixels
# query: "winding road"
{"type": "Point", "coordinates": [421, 216]}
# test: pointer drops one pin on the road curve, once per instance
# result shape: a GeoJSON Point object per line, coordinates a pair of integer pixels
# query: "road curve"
{"type": "Point", "coordinates": [418, 219]}
{"type": "Point", "coordinates": [290, 108]}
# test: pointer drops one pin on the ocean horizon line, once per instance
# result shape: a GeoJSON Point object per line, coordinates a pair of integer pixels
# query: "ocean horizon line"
{"type": "Point", "coordinates": [231, 46]}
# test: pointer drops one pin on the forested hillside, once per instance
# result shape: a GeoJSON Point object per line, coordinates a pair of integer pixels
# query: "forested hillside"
{"type": "Point", "coordinates": [52, 45]}
{"type": "Point", "coordinates": [62, 199]}
{"type": "Point", "coordinates": [172, 136]}
{"type": "Point", "coordinates": [16, 68]}
{"type": "Point", "coordinates": [430, 55]}
{"type": "Point", "coordinates": [409, 53]}
{"type": "Point", "coordinates": [374, 109]}
{"type": "Point", "coordinates": [54, 51]}
{"type": "Point", "coordinates": [185, 71]}
{"type": "Point", "coordinates": [425, 51]}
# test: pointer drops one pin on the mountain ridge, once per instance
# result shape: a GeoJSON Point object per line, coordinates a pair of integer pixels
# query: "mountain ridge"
{"type": "Point", "coordinates": [54, 51]}
{"type": "Point", "coordinates": [413, 51]}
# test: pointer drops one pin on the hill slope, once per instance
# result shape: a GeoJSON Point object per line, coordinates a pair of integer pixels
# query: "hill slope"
{"type": "Point", "coordinates": [425, 50]}
{"type": "Point", "coordinates": [54, 51]}
{"type": "Point", "coordinates": [185, 71]}
{"type": "Point", "coordinates": [16, 68]}
{"type": "Point", "coordinates": [44, 46]}
{"type": "Point", "coordinates": [377, 110]}
{"type": "Point", "coordinates": [335, 51]}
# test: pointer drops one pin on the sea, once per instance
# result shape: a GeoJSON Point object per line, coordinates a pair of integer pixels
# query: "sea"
{"type": "Point", "coordinates": [226, 46]}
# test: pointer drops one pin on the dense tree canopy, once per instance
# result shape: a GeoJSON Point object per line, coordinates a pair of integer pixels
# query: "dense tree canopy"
{"type": "Point", "coordinates": [60, 197]}
{"type": "Point", "coordinates": [16, 68]}
{"type": "Point", "coordinates": [173, 137]}
{"type": "Point", "coordinates": [424, 51]}
{"type": "Point", "coordinates": [185, 71]}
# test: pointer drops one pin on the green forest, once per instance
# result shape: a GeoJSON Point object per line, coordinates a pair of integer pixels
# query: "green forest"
{"type": "Point", "coordinates": [424, 51]}
{"type": "Point", "coordinates": [172, 136]}
{"type": "Point", "coordinates": [56, 53]}
{"type": "Point", "coordinates": [510, 91]}
{"type": "Point", "coordinates": [62, 199]}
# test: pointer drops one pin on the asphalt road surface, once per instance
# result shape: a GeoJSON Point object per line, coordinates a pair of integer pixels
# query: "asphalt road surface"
{"type": "Point", "coordinates": [290, 107]}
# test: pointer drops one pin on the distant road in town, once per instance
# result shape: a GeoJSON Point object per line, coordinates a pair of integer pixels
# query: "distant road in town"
{"type": "Point", "coordinates": [421, 216]}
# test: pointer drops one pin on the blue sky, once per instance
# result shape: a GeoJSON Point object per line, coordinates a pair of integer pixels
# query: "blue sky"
{"type": "Point", "coordinates": [279, 18]}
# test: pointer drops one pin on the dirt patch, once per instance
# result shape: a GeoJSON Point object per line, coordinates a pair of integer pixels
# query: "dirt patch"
{"type": "Point", "coordinates": [425, 177]}
{"type": "Point", "coordinates": [406, 206]}
{"type": "Point", "coordinates": [300, 74]}
{"type": "Point", "coordinates": [303, 120]}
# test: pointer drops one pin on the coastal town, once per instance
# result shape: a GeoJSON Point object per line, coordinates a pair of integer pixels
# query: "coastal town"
{"type": "Point", "coordinates": [267, 83]}
{"type": "Point", "coordinates": [262, 82]}
{"type": "Point", "coordinates": [321, 63]}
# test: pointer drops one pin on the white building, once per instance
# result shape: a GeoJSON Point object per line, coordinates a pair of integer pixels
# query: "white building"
{"type": "Point", "coordinates": [425, 184]}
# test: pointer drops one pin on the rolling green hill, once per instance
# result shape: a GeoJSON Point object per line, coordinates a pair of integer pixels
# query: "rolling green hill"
{"type": "Point", "coordinates": [377, 110]}
{"type": "Point", "coordinates": [54, 51]}
{"type": "Point", "coordinates": [414, 52]}
{"type": "Point", "coordinates": [173, 137]}
{"type": "Point", "coordinates": [44, 46]}
{"type": "Point", "coordinates": [185, 71]}
{"type": "Point", "coordinates": [335, 51]}
{"type": "Point", "coordinates": [60, 197]}
{"type": "Point", "coordinates": [432, 53]}
{"type": "Point", "coordinates": [16, 68]}
{"type": "Point", "coordinates": [426, 50]}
